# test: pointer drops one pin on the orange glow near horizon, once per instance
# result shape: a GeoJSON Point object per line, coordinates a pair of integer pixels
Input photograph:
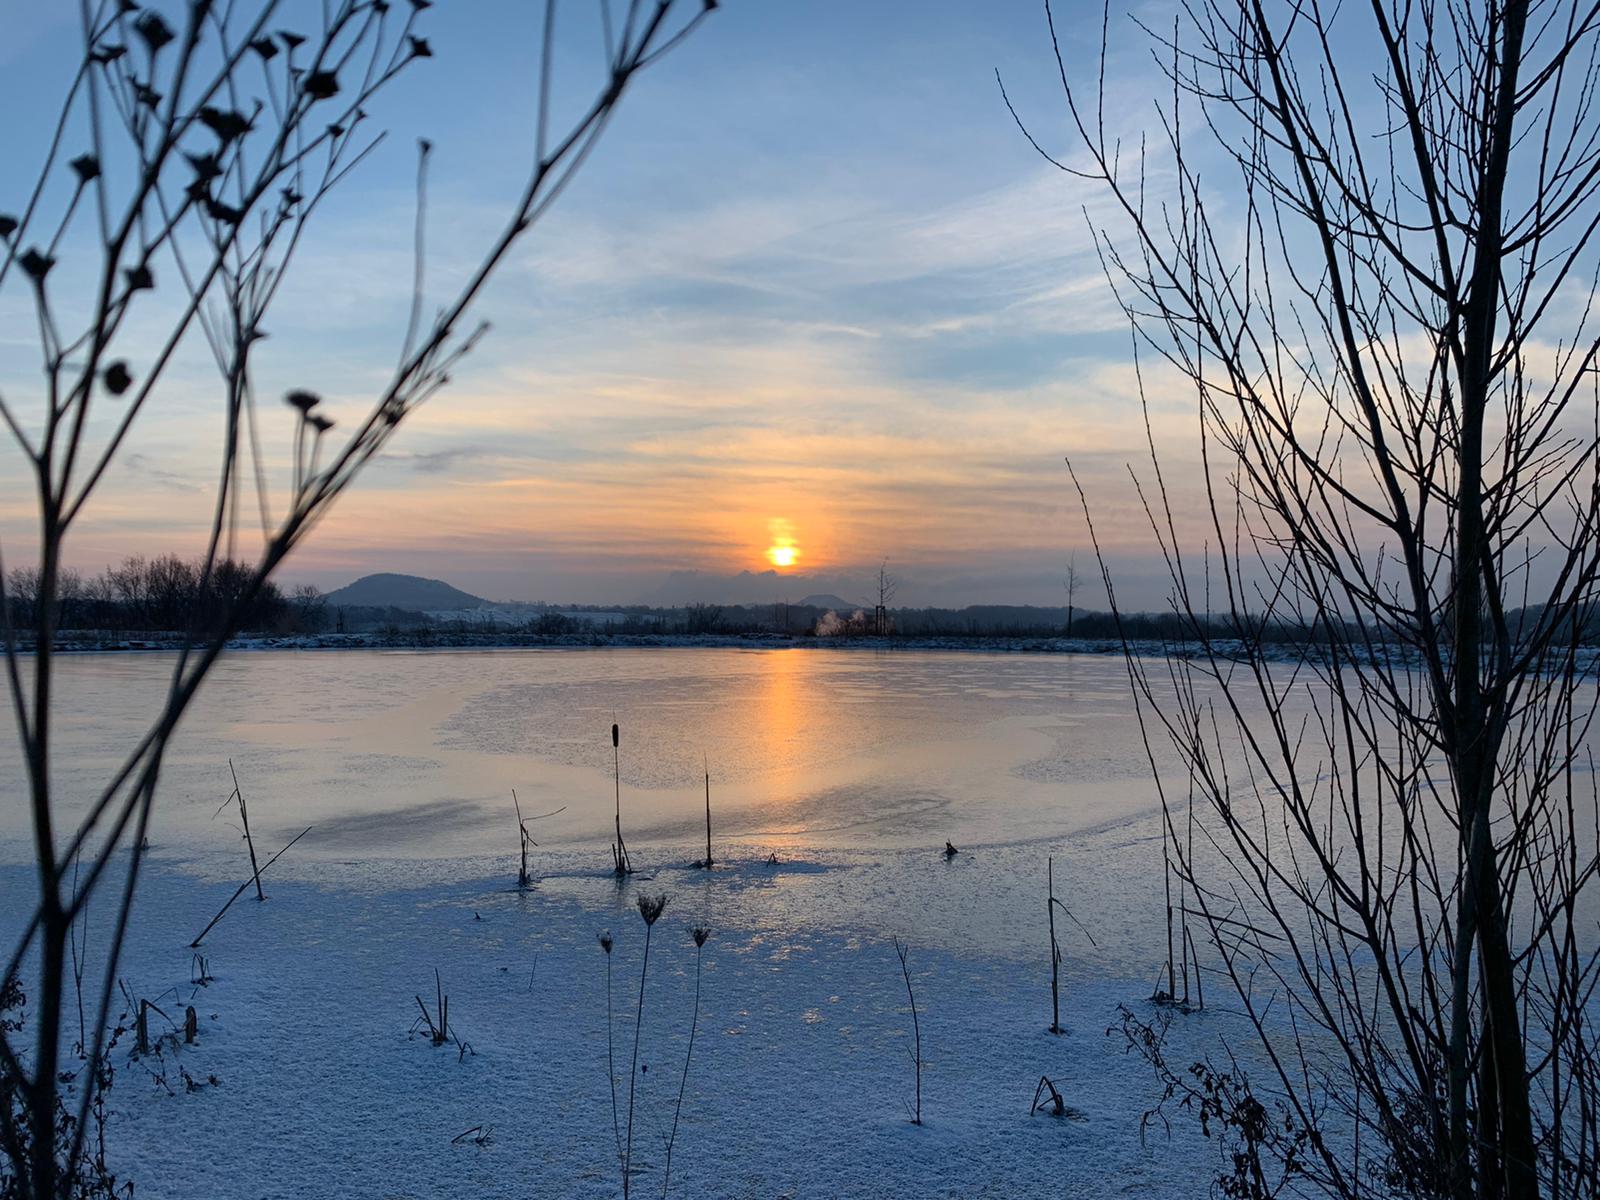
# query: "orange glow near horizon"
{"type": "Point", "coordinates": [784, 551]}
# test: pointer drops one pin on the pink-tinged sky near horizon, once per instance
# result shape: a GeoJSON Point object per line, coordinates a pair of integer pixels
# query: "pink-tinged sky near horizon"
{"type": "Point", "coordinates": [814, 303]}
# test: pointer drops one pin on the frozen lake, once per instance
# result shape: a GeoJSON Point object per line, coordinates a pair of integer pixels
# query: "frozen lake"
{"type": "Point", "coordinates": [405, 761]}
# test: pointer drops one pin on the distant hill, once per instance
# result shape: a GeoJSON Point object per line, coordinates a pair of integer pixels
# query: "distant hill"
{"type": "Point", "coordinates": [753, 587]}
{"type": "Point", "coordinates": [828, 600]}
{"type": "Point", "coordinates": [409, 592]}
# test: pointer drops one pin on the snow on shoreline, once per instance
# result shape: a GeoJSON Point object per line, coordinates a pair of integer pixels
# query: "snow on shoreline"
{"type": "Point", "coordinates": [1224, 649]}
{"type": "Point", "coordinates": [798, 1086]}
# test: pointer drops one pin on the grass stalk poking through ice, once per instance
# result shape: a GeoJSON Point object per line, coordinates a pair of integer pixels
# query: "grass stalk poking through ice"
{"type": "Point", "coordinates": [700, 936]}
{"type": "Point", "coordinates": [611, 1055]}
{"type": "Point", "coordinates": [650, 908]}
{"type": "Point", "coordinates": [901, 949]}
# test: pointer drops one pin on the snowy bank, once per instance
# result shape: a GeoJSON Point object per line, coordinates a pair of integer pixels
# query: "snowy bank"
{"type": "Point", "coordinates": [799, 1083]}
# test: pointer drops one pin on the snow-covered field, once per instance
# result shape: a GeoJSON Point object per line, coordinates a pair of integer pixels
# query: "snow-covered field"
{"type": "Point", "coordinates": [800, 1083]}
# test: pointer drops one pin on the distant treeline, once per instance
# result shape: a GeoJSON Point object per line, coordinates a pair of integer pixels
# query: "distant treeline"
{"type": "Point", "coordinates": [168, 594]}
{"type": "Point", "coordinates": [799, 620]}
{"type": "Point", "coordinates": [974, 621]}
{"type": "Point", "coordinates": [164, 595]}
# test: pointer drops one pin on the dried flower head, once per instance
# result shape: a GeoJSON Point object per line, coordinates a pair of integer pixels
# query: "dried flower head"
{"type": "Point", "coordinates": [700, 936]}
{"type": "Point", "coordinates": [8, 225]}
{"type": "Point", "coordinates": [320, 423]}
{"type": "Point", "coordinates": [37, 264]}
{"type": "Point", "coordinates": [155, 32]}
{"type": "Point", "coordinates": [227, 123]}
{"type": "Point", "coordinates": [304, 401]}
{"type": "Point", "coordinates": [86, 167]}
{"type": "Point", "coordinates": [321, 85]}
{"type": "Point", "coordinates": [605, 941]}
{"type": "Point", "coordinates": [651, 907]}
{"type": "Point", "coordinates": [118, 378]}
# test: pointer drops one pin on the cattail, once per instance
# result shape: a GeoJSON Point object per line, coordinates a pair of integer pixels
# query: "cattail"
{"type": "Point", "coordinates": [619, 850]}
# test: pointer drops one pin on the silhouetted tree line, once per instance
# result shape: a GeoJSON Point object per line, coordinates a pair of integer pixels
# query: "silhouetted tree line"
{"type": "Point", "coordinates": [974, 621]}
{"type": "Point", "coordinates": [166, 594]}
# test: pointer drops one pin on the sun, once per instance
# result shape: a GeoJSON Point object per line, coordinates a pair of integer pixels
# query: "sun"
{"type": "Point", "coordinates": [784, 551]}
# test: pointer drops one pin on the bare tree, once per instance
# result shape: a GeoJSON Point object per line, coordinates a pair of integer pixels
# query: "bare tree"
{"type": "Point", "coordinates": [1070, 583]}
{"type": "Point", "coordinates": [1380, 297]}
{"type": "Point", "coordinates": [887, 586]}
{"type": "Point", "coordinates": [194, 158]}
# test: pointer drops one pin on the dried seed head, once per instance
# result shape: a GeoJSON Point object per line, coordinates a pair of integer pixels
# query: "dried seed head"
{"type": "Point", "coordinates": [614, 734]}
{"type": "Point", "coordinates": [227, 123]}
{"type": "Point", "coordinates": [700, 936]}
{"type": "Point", "coordinates": [37, 264]}
{"type": "Point", "coordinates": [605, 942]}
{"type": "Point", "coordinates": [117, 377]}
{"type": "Point", "coordinates": [321, 85]}
{"type": "Point", "coordinates": [155, 32]}
{"type": "Point", "coordinates": [651, 907]}
{"type": "Point", "coordinates": [304, 401]}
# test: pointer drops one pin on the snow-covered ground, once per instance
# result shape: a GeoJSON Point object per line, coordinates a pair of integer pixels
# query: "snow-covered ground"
{"type": "Point", "coordinates": [800, 1083]}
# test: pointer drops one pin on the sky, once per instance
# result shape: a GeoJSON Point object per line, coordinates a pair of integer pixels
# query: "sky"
{"type": "Point", "coordinates": [813, 304]}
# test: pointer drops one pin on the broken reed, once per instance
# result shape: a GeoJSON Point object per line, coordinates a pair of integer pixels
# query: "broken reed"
{"type": "Point", "coordinates": [1055, 946]}
{"type": "Point", "coordinates": [1053, 902]}
{"type": "Point", "coordinates": [244, 818]}
{"type": "Point", "coordinates": [245, 886]}
{"type": "Point", "coordinates": [437, 1023]}
{"type": "Point", "coordinates": [1181, 956]}
{"type": "Point", "coordinates": [438, 1029]}
{"type": "Point", "coordinates": [901, 949]}
{"type": "Point", "coordinates": [525, 839]}
{"type": "Point", "coordinates": [524, 880]}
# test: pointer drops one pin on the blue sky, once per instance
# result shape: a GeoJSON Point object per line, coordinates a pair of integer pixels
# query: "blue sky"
{"type": "Point", "coordinates": [813, 275]}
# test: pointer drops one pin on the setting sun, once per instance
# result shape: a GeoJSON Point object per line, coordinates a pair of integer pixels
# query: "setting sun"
{"type": "Point", "coordinates": [783, 552]}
